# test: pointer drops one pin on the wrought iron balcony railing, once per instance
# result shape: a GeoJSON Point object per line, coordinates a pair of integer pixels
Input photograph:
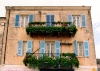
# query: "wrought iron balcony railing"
{"type": "Point", "coordinates": [51, 60]}
{"type": "Point", "coordinates": [47, 54]}
{"type": "Point", "coordinates": [35, 29]}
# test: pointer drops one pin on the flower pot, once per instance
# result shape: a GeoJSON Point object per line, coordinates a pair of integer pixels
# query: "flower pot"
{"type": "Point", "coordinates": [64, 24]}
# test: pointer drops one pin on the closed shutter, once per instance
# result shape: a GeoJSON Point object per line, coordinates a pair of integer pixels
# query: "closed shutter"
{"type": "Point", "coordinates": [86, 49]}
{"type": "Point", "coordinates": [47, 20]}
{"type": "Point", "coordinates": [29, 48]}
{"type": "Point", "coordinates": [42, 48]}
{"type": "Point", "coordinates": [83, 20]}
{"type": "Point", "coordinates": [17, 19]}
{"type": "Point", "coordinates": [20, 48]}
{"type": "Point", "coordinates": [70, 19]}
{"type": "Point", "coordinates": [52, 20]}
{"type": "Point", "coordinates": [57, 43]}
{"type": "Point", "coordinates": [31, 17]}
{"type": "Point", "coordinates": [75, 48]}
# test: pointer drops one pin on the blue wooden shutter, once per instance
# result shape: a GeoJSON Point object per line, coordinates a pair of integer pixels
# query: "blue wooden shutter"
{"type": "Point", "coordinates": [52, 20]}
{"type": "Point", "coordinates": [57, 43]}
{"type": "Point", "coordinates": [17, 20]}
{"type": "Point", "coordinates": [31, 17]}
{"type": "Point", "coordinates": [86, 49]}
{"type": "Point", "coordinates": [42, 47]}
{"type": "Point", "coordinates": [47, 20]}
{"type": "Point", "coordinates": [20, 48]}
{"type": "Point", "coordinates": [75, 48]}
{"type": "Point", "coordinates": [83, 20]}
{"type": "Point", "coordinates": [70, 19]}
{"type": "Point", "coordinates": [29, 46]}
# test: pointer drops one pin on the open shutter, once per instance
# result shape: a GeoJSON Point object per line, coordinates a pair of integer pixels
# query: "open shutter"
{"type": "Point", "coordinates": [70, 19]}
{"type": "Point", "coordinates": [31, 17]}
{"type": "Point", "coordinates": [86, 49]}
{"type": "Point", "coordinates": [47, 20]}
{"type": "Point", "coordinates": [42, 48]}
{"type": "Point", "coordinates": [52, 20]}
{"type": "Point", "coordinates": [83, 20]}
{"type": "Point", "coordinates": [57, 43]}
{"type": "Point", "coordinates": [29, 46]}
{"type": "Point", "coordinates": [17, 20]}
{"type": "Point", "coordinates": [20, 48]}
{"type": "Point", "coordinates": [75, 48]}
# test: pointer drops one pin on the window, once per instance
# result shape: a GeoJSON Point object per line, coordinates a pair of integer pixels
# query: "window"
{"type": "Point", "coordinates": [80, 48]}
{"type": "Point", "coordinates": [23, 47]}
{"type": "Point", "coordinates": [50, 48]}
{"type": "Point", "coordinates": [76, 21]}
{"type": "Point", "coordinates": [24, 21]}
{"type": "Point", "coordinates": [49, 20]}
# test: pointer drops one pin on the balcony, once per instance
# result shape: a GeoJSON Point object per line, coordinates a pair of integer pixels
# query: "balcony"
{"type": "Point", "coordinates": [57, 29]}
{"type": "Point", "coordinates": [51, 60]}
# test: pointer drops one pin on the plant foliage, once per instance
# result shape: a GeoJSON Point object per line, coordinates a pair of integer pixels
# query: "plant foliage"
{"type": "Point", "coordinates": [50, 30]}
{"type": "Point", "coordinates": [66, 60]}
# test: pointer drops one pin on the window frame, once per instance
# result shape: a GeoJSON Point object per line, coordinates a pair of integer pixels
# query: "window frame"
{"type": "Point", "coordinates": [79, 49]}
{"type": "Point", "coordinates": [25, 47]}
{"type": "Point", "coordinates": [80, 24]}
{"type": "Point", "coordinates": [20, 24]}
{"type": "Point", "coordinates": [50, 43]}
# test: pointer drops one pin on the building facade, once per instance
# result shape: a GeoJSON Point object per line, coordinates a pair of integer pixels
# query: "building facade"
{"type": "Point", "coordinates": [18, 42]}
{"type": "Point", "coordinates": [2, 29]}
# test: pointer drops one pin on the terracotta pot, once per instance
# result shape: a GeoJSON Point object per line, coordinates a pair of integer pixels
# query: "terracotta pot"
{"type": "Point", "coordinates": [64, 24]}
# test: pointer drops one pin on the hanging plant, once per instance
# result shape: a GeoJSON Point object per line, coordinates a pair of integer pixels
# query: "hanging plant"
{"type": "Point", "coordinates": [67, 60]}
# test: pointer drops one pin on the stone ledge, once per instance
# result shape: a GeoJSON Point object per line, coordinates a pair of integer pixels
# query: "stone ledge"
{"type": "Point", "coordinates": [49, 7]}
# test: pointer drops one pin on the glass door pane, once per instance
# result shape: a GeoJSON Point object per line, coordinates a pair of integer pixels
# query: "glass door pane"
{"type": "Point", "coordinates": [26, 21]}
{"type": "Point", "coordinates": [80, 49]}
{"type": "Point", "coordinates": [52, 49]}
{"type": "Point", "coordinates": [22, 21]}
{"type": "Point", "coordinates": [78, 23]}
{"type": "Point", "coordinates": [47, 50]}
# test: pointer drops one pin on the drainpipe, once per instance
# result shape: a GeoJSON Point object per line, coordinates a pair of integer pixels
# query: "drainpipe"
{"type": "Point", "coordinates": [6, 36]}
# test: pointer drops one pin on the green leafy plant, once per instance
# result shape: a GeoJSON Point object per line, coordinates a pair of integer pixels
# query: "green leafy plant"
{"type": "Point", "coordinates": [42, 23]}
{"type": "Point", "coordinates": [66, 60]}
{"type": "Point", "coordinates": [36, 23]}
{"type": "Point", "coordinates": [32, 30]}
